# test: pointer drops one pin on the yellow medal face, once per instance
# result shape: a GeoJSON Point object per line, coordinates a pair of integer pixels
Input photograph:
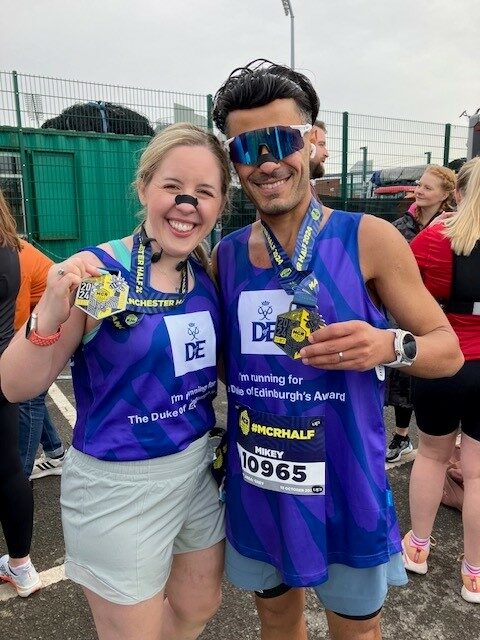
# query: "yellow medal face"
{"type": "Point", "coordinates": [293, 328]}
{"type": "Point", "coordinates": [102, 296]}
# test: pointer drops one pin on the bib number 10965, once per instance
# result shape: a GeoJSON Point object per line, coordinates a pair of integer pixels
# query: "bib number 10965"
{"type": "Point", "coordinates": [284, 476]}
{"type": "Point", "coordinates": [272, 468]}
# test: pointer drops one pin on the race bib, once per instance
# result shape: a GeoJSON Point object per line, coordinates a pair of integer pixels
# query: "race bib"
{"type": "Point", "coordinates": [282, 453]}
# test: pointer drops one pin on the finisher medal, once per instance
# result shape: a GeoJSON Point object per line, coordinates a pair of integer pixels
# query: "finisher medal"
{"type": "Point", "coordinates": [296, 277]}
{"type": "Point", "coordinates": [102, 296]}
{"type": "Point", "coordinates": [293, 328]}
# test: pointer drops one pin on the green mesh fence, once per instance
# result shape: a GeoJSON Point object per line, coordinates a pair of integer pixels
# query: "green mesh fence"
{"type": "Point", "coordinates": [69, 150]}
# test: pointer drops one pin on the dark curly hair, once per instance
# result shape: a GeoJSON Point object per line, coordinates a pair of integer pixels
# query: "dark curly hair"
{"type": "Point", "coordinates": [259, 83]}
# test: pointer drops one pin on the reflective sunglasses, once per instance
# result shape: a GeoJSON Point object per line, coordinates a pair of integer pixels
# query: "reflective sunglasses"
{"type": "Point", "coordinates": [281, 142]}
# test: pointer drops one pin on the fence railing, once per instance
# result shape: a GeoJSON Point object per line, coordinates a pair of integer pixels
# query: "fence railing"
{"type": "Point", "coordinates": [69, 149]}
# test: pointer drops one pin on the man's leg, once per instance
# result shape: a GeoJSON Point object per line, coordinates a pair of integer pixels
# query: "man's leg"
{"type": "Point", "coordinates": [279, 607]}
{"type": "Point", "coordinates": [31, 414]}
{"type": "Point", "coordinates": [343, 628]}
{"type": "Point", "coordinates": [353, 598]}
{"type": "Point", "coordinates": [51, 461]}
{"type": "Point", "coordinates": [282, 617]}
{"type": "Point", "coordinates": [50, 438]}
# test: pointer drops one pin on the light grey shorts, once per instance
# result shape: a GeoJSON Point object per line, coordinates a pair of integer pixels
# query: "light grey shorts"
{"type": "Point", "coordinates": [124, 521]}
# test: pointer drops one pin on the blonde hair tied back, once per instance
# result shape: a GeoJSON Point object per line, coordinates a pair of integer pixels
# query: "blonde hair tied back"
{"type": "Point", "coordinates": [448, 182]}
{"type": "Point", "coordinates": [189, 135]}
{"type": "Point", "coordinates": [463, 229]}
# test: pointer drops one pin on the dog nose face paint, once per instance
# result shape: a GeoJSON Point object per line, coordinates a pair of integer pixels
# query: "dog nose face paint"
{"type": "Point", "coordinates": [184, 198]}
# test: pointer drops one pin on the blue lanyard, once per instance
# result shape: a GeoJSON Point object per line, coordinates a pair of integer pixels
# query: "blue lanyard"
{"type": "Point", "coordinates": [141, 297]}
{"type": "Point", "coordinates": [294, 275]}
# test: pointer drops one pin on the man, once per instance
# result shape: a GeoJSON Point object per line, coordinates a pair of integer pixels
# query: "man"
{"type": "Point", "coordinates": [317, 163]}
{"type": "Point", "coordinates": [308, 501]}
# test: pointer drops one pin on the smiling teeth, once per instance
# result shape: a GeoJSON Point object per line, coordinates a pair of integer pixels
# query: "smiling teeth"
{"type": "Point", "coordinates": [273, 185]}
{"type": "Point", "coordinates": [181, 226]}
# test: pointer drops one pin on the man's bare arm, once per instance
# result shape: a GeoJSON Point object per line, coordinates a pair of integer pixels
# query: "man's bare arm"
{"type": "Point", "coordinates": [388, 264]}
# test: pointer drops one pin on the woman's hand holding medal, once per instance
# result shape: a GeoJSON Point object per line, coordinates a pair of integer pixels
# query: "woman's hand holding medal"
{"type": "Point", "coordinates": [62, 281]}
{"type": "Point", "coordinates": [352, 345]}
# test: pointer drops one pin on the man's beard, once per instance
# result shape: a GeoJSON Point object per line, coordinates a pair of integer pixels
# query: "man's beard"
{"type": "Point", "coordinates": [317, 170]}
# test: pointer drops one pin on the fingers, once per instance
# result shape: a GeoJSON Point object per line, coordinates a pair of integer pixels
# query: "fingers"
{"type": "Point", "coordinates": [351, 359]}
{"type": "Point", "coordinates": [340, 336]}
{"type": "Point", "coordinates": [342, 346]}
{"type": "Point", "coordinates": [67, 275]}
{"type": "Point", "coordinates": [62, 281]}
{"type": "Point", "coordinates": [76, 265]}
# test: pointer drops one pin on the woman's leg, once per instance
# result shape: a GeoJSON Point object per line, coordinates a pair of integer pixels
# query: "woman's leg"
{"type": "Point", "coordinates": [403, 415]}
{"type": "Point", "coordinates": [427, 480]}
{"type": "Point", "coordinates": [470, 461]}
{"type": "Point", "coordinates": [16, 498]}
{"type": "Point", "coordinates": [400, 444]}
{"type": "Point", "coordinates": [193, 592]}
{"type": "Point", "coordinates": [113, 621]}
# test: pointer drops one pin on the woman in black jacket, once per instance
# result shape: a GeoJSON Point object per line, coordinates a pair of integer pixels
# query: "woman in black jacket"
{"type": "Point", "coordinates": [16, 499]}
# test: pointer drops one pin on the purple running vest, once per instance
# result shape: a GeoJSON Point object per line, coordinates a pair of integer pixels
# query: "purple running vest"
{"type": "Point", "coordinates": [146, 391]}
{"type": "Point", "coordinates": [306, 485]}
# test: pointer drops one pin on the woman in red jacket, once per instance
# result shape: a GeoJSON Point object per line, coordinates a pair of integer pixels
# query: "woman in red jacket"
{"type": "Point", "coordinates": [448, 254]}
{"type": "Point", "coordinates": [434, 197]}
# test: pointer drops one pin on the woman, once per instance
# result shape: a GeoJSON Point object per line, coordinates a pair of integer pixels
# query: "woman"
{"type": "Point", "coordinates": [448, 254]}
{"type": "Point", "coordinates": [434, 197]}
{"type": "Point", "coordinates": [142, 521]}
{"type": "Point", "coordinates": [35, 424]}
{"type": "Point", "coordinates": [16, 499]}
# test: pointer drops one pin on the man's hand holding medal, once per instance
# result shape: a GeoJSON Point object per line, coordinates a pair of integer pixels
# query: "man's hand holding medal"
{"type": "Point", "coordinates": [353, 345]}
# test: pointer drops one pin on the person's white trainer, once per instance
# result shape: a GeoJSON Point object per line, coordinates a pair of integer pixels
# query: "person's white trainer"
{"type": "Point", "coordinates": [25, 581]}
{"type": "Point", "coordinates": [46, 466]}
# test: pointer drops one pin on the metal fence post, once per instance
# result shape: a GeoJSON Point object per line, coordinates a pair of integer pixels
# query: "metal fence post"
{"type": "Point", "coordinates": [216, 234]}
{"type": "Point", "coordinates": [210, 112]}
{"type": "Point", "coordinates": [26, 191]}
{"type": "Point", "coordinates": [446, 144]}
{"type": "Point", "coordinates": [344, 158]}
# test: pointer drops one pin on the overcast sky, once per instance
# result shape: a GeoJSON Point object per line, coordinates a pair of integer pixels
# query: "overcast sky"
{"type": "Point", "coordinates": [413, 59]}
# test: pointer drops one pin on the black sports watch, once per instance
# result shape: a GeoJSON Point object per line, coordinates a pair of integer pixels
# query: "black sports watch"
{"type": "Point", "coordinates": [405, 347]}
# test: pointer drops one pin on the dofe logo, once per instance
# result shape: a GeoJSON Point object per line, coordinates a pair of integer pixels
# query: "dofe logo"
{"type": "Point", "coordinates": [263, 329]}
{"type": "Point", "coordinates": [196, 348]}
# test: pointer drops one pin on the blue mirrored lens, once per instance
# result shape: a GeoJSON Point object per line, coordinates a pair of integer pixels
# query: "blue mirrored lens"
{"type": "Point", "coordinates": [280, 142]}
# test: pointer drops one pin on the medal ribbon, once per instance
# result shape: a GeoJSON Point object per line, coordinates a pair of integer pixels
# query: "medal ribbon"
{"type": "Point", "coordinates": [294, 275]}
{"type": "Point", "coordinates": [142, 298]}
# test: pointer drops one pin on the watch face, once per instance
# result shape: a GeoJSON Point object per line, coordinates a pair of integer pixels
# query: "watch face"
{"type": "Point", "coordinates": [31, 325]}
{"type": "Point", "coordinates": [410, 346]}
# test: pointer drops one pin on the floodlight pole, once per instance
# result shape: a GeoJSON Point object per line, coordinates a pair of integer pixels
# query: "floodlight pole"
{"type": "Point", "coordinates": [287, 7]}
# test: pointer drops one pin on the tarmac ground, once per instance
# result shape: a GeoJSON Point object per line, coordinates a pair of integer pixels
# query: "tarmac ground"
{"type": "Point", "coordinates": [428, 608]}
